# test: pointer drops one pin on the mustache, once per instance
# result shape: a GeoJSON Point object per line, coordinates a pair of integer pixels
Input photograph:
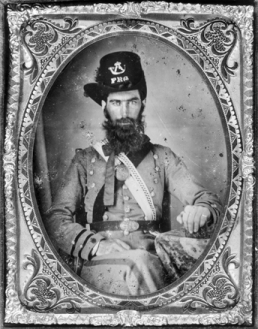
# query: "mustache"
{"type": "Point", "coordinates": [125, 123]}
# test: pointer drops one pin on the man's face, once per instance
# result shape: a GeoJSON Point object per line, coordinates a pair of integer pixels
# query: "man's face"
{"type": "Point", "coordinates": [122, 105]}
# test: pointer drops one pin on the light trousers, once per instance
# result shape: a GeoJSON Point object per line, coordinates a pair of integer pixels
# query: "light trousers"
{"type": "Point", "coordinates": [129, 273]}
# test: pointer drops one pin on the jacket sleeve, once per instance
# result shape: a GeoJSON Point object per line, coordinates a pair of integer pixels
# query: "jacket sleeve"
{"type": "Point", "coordinates": [64, 232]}
{"type": "Point", "coordinates": [184, 186]}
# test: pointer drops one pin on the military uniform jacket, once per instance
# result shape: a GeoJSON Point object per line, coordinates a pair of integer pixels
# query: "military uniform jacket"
{"type": "Point", "coordinates": [160, 169]}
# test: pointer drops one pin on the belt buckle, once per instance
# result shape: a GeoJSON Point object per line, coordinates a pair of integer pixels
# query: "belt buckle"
{"type": "Point", "coordinates": [129, 226]}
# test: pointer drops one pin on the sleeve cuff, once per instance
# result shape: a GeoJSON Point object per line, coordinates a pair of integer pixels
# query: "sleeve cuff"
{"type": "Point", "coordinates": [214, 210]}
{"type": "Point", "coordinates": [93, 240]}
{"type": "Point", "coordinates": [209, 226]}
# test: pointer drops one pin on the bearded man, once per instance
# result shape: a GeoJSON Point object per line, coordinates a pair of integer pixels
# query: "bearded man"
{"type": "Point", "coordinates": [122, 181]}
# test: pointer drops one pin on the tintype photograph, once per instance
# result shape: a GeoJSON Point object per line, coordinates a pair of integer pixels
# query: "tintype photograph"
{"type": "Point", "coordinates": [128, 162]}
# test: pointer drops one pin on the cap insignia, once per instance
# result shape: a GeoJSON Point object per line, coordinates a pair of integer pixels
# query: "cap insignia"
{"type": "Point", "coordinates": [117, 68]}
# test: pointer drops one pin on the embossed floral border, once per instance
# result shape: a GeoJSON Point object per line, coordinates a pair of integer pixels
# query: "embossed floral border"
{"type": "Point", "coordinates": [240, 314]}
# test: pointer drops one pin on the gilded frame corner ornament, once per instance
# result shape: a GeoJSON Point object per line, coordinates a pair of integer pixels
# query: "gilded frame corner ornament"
{"type": "Point", "coordinates": [47, 44]}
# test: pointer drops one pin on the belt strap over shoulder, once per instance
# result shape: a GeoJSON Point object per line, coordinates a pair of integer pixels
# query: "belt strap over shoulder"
{"type": "Point", "coordinates": [139, 189]}
{"type": "Point", "coordinates": [135, 184]}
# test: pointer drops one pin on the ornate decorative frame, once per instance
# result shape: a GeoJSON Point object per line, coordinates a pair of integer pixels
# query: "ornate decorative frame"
{"type": "Point", "coordinates": [48, 36]}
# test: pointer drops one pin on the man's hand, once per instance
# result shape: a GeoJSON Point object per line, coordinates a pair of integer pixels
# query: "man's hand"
{"type": "Point", "coordinates": [112, 245]}
{"type": "Point", "coordinates": [194, 217]}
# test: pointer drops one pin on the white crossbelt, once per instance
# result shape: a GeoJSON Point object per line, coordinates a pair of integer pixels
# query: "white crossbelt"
{"type": "Point", "coordinates": [134, 183]}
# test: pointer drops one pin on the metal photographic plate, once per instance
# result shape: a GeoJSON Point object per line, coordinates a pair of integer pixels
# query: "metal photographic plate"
{"type": "Point", "coordinates": [198, 64]}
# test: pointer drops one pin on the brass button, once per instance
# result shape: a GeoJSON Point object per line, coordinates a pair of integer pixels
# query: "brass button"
{"type": "Point", "coordinates": [155, 156]}
{"type": "Point", "coordinates": [155, 180]}
{"type": "Point", "coordinates": [126, 198]}
{"type": "Point", "coordinates": [91, 172]}
{"type": "Point", "coordinates": [127, 209]}
{"type": "Point", "coordinates": [93, 185]}
{"type": "Point", "coordinates": [105, 216]}
{"type": "Point", "coordinates": [152, 194]}
{"type": "Point", "coordinates": [125, 187]}
{"type": "Point", "coordinates": [93, 160]}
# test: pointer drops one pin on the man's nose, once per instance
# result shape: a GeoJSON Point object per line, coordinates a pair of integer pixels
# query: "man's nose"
{"type": "Point", "coordinates": [124, 109]}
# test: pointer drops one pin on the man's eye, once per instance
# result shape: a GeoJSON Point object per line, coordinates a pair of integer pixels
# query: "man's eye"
{"type": "Point", "coordinates": [115, 103]}
{"type": "Point", "coordinates": [134, 102]}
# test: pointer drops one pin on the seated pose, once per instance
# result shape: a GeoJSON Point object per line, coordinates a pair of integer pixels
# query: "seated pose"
{"type": "Point", "coordinates": [122, 181]}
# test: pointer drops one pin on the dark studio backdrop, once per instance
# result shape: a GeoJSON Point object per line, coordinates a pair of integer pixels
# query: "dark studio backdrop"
{"type": "Point", "coordinates": [181, 112]}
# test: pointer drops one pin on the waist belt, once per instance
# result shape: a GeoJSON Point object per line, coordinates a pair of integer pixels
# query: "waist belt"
{"type": "Point", "coordinates": [127, 226]}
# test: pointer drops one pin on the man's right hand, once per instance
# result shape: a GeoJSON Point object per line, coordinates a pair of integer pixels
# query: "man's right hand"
{"type": "Point", "coordinates": [112, 245]}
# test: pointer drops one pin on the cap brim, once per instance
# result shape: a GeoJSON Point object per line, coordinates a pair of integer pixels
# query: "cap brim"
{"type": "Point", "coordinates": [93, 90]}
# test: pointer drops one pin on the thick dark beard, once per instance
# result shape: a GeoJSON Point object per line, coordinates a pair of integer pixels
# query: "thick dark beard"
{"type": "Point", "coordinates": [125, 135]}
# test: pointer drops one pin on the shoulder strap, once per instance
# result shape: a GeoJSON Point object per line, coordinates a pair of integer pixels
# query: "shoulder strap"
{"type": "Point", "coordinates": [138, 188]}
{"type": "Point", "coordinates": [134, 183]}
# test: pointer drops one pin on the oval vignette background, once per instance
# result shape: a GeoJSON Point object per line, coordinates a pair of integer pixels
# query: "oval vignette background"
{"type": "Point", "coordinates": [181, 113]}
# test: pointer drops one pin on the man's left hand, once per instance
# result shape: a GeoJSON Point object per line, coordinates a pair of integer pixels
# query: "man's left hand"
{"type": "Point", "coordinates": [194, 217]}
